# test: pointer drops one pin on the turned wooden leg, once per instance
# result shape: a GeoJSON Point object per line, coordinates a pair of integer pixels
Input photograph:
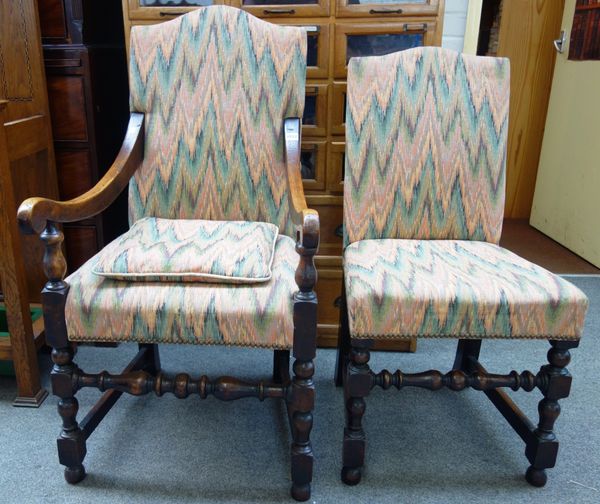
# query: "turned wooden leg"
{"type": "Point", "coordinates": [466, 350]}
{"type": "Point", "coordinates": [543, 449]}
{"type": "Point", "coordinates": [343, 349]}
{"type": "Point", "coordinates": [281, 366]}
{"type": "Point", "coordinates": [152, 364]}
{"type": "Point", "coordinates": [358, 383]}
{"type": "Point", "coordinates": [71, 441]}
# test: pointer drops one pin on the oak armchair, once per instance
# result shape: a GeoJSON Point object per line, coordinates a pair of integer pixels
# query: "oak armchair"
{"type": "Point", "coordinates": [214, 135]}
{"type": "Point", "coordinates": [424, 185]}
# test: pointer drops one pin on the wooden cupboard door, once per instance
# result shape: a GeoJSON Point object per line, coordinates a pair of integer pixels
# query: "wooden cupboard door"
{"type": "Point", "coordinates": [338, 108]}
{"type": "Point", "coordinates": [376, 39]}
{"type": "Point", "coordinates": [29, 152]}
{"type": "Point", "coordinates": [284, 8]}
{"type": "Point", "coordinates": [387, 8]}
{"type": "Point", "coordinates": [312, 164]}
{"type": "Point", "coordinates": [314, 120]}
{"type": "Point", "coordinates": [337, 161]}
{"type": "Point", "coordinates": [26, 169]}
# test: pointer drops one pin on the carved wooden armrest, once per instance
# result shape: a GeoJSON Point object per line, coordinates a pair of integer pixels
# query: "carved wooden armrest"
{"type": "Point", "coordinates": [34, 213]}
{"type": "Point", "coordinates": [305, 219]}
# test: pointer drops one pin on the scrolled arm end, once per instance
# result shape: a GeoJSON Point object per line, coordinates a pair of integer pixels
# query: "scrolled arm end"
{"type": "Point", "coordinates": [33, 214]}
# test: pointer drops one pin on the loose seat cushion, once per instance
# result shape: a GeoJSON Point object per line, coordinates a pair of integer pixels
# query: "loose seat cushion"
{"type": "Point", "coordinates": [259, 315]}
{"type": "Point", "coordinates": [453, 288]}
{"type": "Point", "coordinates": [180, 250]}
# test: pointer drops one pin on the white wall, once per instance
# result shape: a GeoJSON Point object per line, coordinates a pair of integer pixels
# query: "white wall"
{"type": "Point", "coordinates": [455, 20]}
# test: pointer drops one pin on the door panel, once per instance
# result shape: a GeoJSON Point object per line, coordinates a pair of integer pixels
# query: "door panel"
{"type": "Point", "coordinates": [566, 204]}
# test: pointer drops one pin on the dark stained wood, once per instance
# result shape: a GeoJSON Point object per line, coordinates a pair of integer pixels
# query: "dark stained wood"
{"type": "Point", "coordinates": [74, 173]}
{"type": "Point", "coordinates": [541, 445]}
{"type": "Point", "coordinates": [67, 107]}
{"type": "Point", "coordinates": [80, 242]}
{"type": "Point", "coordinates": [357, 385]}
{"type": "Point", "coordinates": [52, 19]}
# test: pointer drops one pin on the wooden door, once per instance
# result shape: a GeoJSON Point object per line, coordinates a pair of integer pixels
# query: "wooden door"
{"type": "Point", "coordinates": [566, 203]}
{"type": "Point", "coordinates": [26, 169]}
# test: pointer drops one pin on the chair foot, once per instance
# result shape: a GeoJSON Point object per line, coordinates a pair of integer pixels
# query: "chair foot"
{"type": "Point", "coordinates": [74, 474]}
{"type": "Point", "coordinates": [351, 475]}
{"type": "Point", "coordinates": [301, 493]}
{"type": "Point", "coordinates": [536, 477]}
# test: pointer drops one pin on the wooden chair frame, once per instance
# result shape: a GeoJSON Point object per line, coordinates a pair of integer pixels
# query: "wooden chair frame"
{"type": "Point", "coordinates": [553, 380]}
{"type": "Point", "coordinates": [143, 374]}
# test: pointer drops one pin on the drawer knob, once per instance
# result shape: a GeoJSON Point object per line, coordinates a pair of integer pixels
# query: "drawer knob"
{"type": "Point", "coordinates": [339, 231]}
{"type": "Point", "coordinates": [385, 11]}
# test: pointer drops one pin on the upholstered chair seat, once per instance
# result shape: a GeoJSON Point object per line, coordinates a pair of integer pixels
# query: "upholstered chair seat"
{"type": "Point", "coordinates": [253, 314]}
{"type": "Point", "coordinates": [455, 289]}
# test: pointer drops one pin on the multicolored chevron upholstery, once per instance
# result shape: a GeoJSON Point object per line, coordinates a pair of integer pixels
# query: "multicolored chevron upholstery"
{"type": "Point", "coordinates": [426, 133]}
{"type": "Point", "coordinates": [455, 288]}
{"type": "Point", "coordinates": [258, 315]}
{"type": "Point", "coordinates": [191, 250]}
{"type": "Point", "coordinates": [215, 86]}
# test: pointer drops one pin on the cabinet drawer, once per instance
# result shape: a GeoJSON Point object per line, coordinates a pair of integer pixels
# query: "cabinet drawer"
{"type": "Point", "coordinates": [337, 161]}
{"type": "Point", "coordinates": [312, 164]}
{"type": "Point", "coordinates": [314, 120]}
{"type": "Point", "coordinates": [385, 8]}
{"type": "Point", "coordinates": [66, 96]}
{"type": "Point", "coordinates": [377, 39]}
{"type": "Point", "coordinates": [331, 221]}
{"type": "Point", "coordinates": [166, 9]}
{"type": "Point", "coordinates": [74, 172]}
{"type": "Point", "coordinates": [338, 108]}
{"type": "Point", "coordinates": [288, 8]}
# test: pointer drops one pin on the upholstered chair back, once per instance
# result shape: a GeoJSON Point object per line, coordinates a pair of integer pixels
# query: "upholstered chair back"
{"type": "Point", "coordinates": [426, 136]}
{"type": "Point", "coordinates": [215, 86]}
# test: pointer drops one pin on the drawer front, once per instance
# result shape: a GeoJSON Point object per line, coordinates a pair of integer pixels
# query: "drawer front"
{"type": "Point", "coordinates": [331, 220]}
{"type": "Point", "coordinates": [337, 161]}
{"type": "Point", "coordinates": [314, 120]}
{"type": "Point", "coordinates": [287, 8]}
{"type": "Point", "coordinates": [338, 108]}
{"type": "Point", "coordinates": [74, 172]}
{"type": "Point", "coordinates": [377, 39]}
{"type": "Point", "coordinates": [66, 96]}
{"type": "Point", "coordinates": [313, 163]}
{"type": "Point", "coordinates": [385, 8]}
{"type": "Point", "coordinates": [81, 243]}
{"type": "Point", "coordinates": [166, 9]}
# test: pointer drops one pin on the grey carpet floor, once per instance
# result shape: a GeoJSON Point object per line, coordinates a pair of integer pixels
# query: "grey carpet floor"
{"type": "Point", "coordinates": [423, 447]}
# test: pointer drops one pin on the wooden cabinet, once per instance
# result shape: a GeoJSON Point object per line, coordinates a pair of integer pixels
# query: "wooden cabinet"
{"type": "Point", "coordinates": [85, 60]}
{"type": "Point", "coordinates": [336, 31]}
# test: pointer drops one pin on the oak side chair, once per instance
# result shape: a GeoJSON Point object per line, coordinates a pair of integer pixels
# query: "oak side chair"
{"type": "Point", "coordinates": [423, 206]}
{"type": "Point", "coordinates": [211, 157]}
